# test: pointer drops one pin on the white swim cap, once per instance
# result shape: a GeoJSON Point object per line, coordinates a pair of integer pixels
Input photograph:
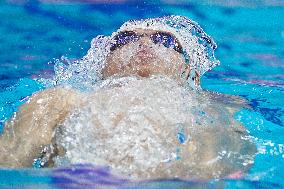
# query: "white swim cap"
{"type": "Point", "coordinates": [197, 45]}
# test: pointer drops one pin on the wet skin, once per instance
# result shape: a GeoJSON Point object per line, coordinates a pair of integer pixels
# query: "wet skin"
{"type": "Point", "coordinates": [144, 62]}
{"type": "Point", "coordinates": [32, 127]}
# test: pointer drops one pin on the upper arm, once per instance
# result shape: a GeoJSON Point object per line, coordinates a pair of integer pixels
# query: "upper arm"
{"type": "Point", "coordinates": [42, 112]}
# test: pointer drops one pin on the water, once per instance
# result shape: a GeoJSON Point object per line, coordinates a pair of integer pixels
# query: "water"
{"type": "Point", "coordinates": [249, 42]}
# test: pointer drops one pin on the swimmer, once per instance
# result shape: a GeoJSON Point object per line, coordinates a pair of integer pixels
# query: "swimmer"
{"type": "Point", "coordinates": [150, 51]}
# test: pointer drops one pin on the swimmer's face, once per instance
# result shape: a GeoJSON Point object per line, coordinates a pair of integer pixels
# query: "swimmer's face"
{"type": "Point", "coordinates": [145, 53]}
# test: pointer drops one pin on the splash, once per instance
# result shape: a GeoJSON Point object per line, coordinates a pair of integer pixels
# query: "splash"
{"type": "Point", "coordinates": [154, 128]}
{"type": "Point", "coordinates": [150, 127]}
{"type": "Point", "coordinates": [198, 51]}
{"type": "Point", "coordinates": [145, 128]}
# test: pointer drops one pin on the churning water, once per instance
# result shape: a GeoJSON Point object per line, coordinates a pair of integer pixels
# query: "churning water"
{"type": "Point", "coordinates": [149, 128]}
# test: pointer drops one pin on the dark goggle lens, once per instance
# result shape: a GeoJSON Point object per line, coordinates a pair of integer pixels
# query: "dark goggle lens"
{"type": "Point", "coordinates": [123, 38]}
{"type": "Point", "coordinates": [167, 40]}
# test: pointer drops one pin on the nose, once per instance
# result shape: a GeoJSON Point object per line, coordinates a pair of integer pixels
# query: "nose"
{"type": "Point", "coordinates": [145, 45]}
{"type": "Point", "coordinates": [145, 41]}
{"type": "Point", "coordinates": [144, 50]}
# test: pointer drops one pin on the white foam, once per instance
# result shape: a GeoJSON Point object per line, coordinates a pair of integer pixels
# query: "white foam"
{"type": "Point", "coordinates": [133, 125]}
{"type": "Point", "coordinates": [151, 127]}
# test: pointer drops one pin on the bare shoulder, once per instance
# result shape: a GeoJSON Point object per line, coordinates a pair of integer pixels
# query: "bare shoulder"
{"type": "Point", "coordinates": [48, 105]}
{"type": "Point", "coordinates": [66, 95]}
{"type": "Point", "coordinates": [32, 126]}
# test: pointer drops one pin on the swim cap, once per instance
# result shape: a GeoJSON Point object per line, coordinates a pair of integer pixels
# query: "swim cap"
{"type": "Point", "coordinates": [197, 45]}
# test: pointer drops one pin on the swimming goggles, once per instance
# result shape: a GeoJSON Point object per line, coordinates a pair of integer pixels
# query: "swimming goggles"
{"type": "Point", "coordinates": [166, 39]}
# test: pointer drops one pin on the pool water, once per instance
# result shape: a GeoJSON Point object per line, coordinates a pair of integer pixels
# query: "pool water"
{"type": "Point", "coordinates": [249, 37]}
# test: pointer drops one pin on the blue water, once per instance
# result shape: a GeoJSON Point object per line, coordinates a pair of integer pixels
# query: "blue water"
{"type": "Point", "coordinates": [250, 40]}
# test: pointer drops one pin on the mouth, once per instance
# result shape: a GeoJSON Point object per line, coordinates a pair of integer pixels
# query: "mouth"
{"type": "Point", "coordinates": [144, 56]}
{"type": "Point", "coordinates": [142, 62]}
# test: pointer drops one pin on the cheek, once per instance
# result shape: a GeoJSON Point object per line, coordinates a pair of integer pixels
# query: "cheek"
{"type": "Point", "coordinates": [144, 72]}
{"type": "Point", "coordinates": [111, 67]}
{"type": "Point", "coordinates": [173, 61]}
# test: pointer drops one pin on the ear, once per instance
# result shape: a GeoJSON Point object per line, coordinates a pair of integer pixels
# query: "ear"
{"type": "Point", "coordinates": [188, 75]}
{"type": "Point", "coordinates": [197, 79]}
{"type": "Point", "coordinates": [194, 78]}
{"type": "Point", "coordinates": [185, 72]}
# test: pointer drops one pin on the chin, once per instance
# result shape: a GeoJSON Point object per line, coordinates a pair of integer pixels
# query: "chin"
{"type": "Point", "coordinates": [144, 72]}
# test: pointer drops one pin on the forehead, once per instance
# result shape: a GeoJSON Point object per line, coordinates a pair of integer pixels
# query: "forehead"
{"type": "Point", "coordinates": [147, 31]}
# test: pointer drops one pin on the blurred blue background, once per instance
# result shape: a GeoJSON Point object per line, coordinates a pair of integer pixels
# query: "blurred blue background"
{"type": "Point", "coordinates": [249, 35]}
